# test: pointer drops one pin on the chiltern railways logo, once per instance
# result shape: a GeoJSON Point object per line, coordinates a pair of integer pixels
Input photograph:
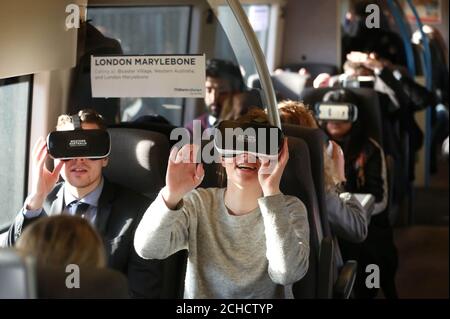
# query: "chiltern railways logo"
{"type": "Point", "coordinates": [77, 143]}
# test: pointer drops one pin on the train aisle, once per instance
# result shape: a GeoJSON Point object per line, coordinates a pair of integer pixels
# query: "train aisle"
{"type": "Point", "coordinates": [424, 246]}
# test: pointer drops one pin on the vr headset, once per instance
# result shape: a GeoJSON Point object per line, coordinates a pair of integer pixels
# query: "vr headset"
{"type": "Point", "coordinates": [334, 111]}
{"type": "Point", "coordinates": [78, 143]}
{"type": "Point", "coordinates": [361, 81]}
{"type": "Point", "coordinates": [261, 140]}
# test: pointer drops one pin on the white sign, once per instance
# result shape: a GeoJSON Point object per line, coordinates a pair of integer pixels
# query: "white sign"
{"type": "Point", "coordinates": [148, 76]}
{"type": "Point", "coordinates": [259, 17]}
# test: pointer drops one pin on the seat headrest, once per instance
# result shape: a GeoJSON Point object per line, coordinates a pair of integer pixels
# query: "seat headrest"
{"type": "Point", "coordinates": [138, 159]}
{"type": "Point", "coordinates": [95, 283]}
{"type": "Point", "coordinates": [288, 85]}
{"type": "Point", "coordinates": [315, 139]}
{"type": "Point", "coordinates": [17, 275]}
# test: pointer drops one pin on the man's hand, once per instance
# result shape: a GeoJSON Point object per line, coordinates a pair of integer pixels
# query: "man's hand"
{"type": "Point", "coordinates": [183, 174]}
{"type": "Point", "coordinates": [369, 61]}
{"type": "Point", "coordinates": [322, 80]}
{"type": "Point", "coordinates": [270, 177]}
{"type": "Point", "coordinates": [43, 180]}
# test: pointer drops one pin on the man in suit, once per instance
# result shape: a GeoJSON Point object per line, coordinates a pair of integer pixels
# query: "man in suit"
{"type": "Point", "coordinates": [223, 79]}
{"type": "Point", "coordinates": [113, 210]}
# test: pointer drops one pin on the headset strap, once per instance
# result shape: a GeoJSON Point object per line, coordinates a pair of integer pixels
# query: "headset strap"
{"type": "Point", "coordinates": [76, 122]}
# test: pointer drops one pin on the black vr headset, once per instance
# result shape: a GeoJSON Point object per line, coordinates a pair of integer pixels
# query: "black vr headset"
{"type": "Point", "coordinates": [78, 143]}
{"type": "Point", "coordinates": [259, 139]}
{"type": "Point", "coordinates": [336, 111]}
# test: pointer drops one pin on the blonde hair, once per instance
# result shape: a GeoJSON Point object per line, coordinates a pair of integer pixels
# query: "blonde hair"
{"type": "Point", "coordinates": [85, 115]}
{"type": "Point", "coordinates": [62, 240]}
{"type": "Point", "coordinates": [297, 113]}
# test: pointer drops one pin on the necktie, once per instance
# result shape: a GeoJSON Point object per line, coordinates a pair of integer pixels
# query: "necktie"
{"type": "Point", "coordinates": [81, 208]}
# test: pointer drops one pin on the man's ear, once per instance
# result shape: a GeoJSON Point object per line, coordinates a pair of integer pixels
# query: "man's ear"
{"type": "Point", "coordinates": [105, 161]}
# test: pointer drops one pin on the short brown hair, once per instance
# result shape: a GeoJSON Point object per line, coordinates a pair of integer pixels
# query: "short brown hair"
{"type": "Point", "coordinates": [62, 240]}
{"type": "Point", "coordinates": [254, 114]}
{"type": "Point", "coordinates": [296, 113]}
{"type": "Point", "coordinates": [86, 116]}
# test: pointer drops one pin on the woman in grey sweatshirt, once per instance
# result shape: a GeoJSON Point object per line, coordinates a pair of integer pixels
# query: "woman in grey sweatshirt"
{"type": "Point", "coordinates": [247, 240]}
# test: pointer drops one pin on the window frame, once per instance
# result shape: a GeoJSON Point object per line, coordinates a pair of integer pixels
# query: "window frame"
{"type": "Point", "coordinates": [273, 52]}
{"type": "Point", "coordinates": [188, 4]}
{"type": "Point", "coordinates": [15, 80]}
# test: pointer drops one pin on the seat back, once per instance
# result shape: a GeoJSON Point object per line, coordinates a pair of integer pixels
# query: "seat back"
{"type": "Point", "coordinates": [313, 68]}
{"type": "Point", "coordinates": [314, 138]}
{"type": "Point", "coordinates": [17, 275]}
{"type": "Point", "coordinates": [138, 159]}
{"type": "Point", "coordinates": [297, 181]}
{"type": "Point", "coordinates": [287, 85]}
{"type": "Point", "coordinates": [94, 283]}
{"type": "Point", "coordinates": [147, 123]}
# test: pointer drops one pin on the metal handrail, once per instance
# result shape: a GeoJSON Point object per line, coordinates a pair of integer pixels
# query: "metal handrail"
{"type": "Point", "coordinates": [260, 62]}
{"type": "Point", "coordinates": [429, 83]}
{"type": "Point", "coordinates": [406, 37]}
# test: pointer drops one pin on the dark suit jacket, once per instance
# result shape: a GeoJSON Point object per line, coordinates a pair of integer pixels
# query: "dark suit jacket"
{"type": "Point", "coordinates": [203, 121]}
{"type": "Point", "coordinates": [119, 213]}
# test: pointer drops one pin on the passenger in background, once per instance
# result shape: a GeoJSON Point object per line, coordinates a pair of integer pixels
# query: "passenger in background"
{"type": "Point", "coordinates": [400, 97]}
{"type": "Point", "coordinates": [223, 78]}
{"type": "Point", "coordinates": [113, 210]}
{"type": "Point", "coordinates": [405, 95]}
{"type": "Point", "coordinates": [347, 217]}
{"type": "Point", "coordinates": [365, 171]}
{"type": "Point", "coordinates": [65, 246]}
{"type": "Point", "coordinates": [240, 104]}
{"type": "Point", "coordinates": [247, 240]}
{"type": "Point", "coordinates": [63, 240]}
{"type": "Point", "coordinates": [358, 36]}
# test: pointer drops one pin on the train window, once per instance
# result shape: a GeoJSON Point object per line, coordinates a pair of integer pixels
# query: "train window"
{"type": "Point", "coordinates": [259, 18]}
{"type": "Point", "coordinates": [146, 30]}
{"type": "Point", "coordinates": [15, 102]}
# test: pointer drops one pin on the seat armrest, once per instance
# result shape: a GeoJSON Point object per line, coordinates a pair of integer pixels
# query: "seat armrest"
{"type": "Point", "coordinates": [326, 267]}
{"type": "Point", "coordinates": [346, 279]}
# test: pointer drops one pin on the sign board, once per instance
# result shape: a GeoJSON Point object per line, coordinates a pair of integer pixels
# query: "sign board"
{"type": "Point", "coordinates": [259, 17]}
{"type": "Point", "coordinates": [162, 76]}
{"type": "Point", "coordinates": [429, 11]}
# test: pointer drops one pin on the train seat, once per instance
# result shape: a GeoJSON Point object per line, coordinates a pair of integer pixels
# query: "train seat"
{"type": "Point", "coordinates": [287, 85]}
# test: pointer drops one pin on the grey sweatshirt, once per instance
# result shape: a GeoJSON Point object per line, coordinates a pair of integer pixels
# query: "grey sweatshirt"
{"type": "Point", "coordinates": [257, 255]}
{"type": "Point", "coordinates": [347, 217]}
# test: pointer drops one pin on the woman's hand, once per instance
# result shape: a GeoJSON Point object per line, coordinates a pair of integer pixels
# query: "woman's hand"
{"type": "Point", "coordinates": [183, 174]}
{"type": "Point", "coordinates": [43, 180]}
{"type": "Point", "coordinates": [337, 156]}
{"type": "Point", "coordinates": [270, 172]}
